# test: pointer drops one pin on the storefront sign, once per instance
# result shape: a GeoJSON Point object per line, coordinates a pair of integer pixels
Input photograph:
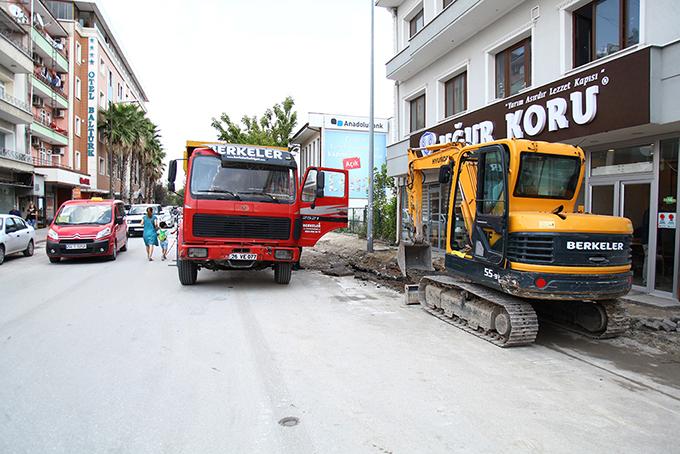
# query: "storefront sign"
{"type": "Point", "coordinates": [84, 181]}
{"type": "Point", "coordinates": [354, 123]}
{"type": "Point", "coordinates": [667, 221]}
{"type": "Point", "coordinates": [607, 97]}
{"type": "Point", "coordinates": [351, 163]}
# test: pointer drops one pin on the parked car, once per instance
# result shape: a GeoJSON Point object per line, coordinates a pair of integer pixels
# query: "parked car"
{"type": "Point", "coordinates": [168, 215]}
{"type": "Point", "coordinates": [87, 228]}
{"type": "Point", "coordinates": [135, 217]}
{"type": "Point", "coordinates": [15, 236]}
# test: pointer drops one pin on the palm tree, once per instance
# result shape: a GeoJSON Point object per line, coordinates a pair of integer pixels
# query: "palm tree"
{"type": "Point", "coordinates": [117, 125]}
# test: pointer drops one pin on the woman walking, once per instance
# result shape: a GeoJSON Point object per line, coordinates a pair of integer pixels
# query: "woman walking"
{"type": "Point", "coordinates": [150, 237]}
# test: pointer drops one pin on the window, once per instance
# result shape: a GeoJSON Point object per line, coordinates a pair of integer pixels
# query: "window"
{"type": "Point", "coordinates": [455, 95]}
{"type": "Point", "coordinates": [76, 125]}
{"type": "Point", "coordinates": [76, 159]}
{"type": "Point", "coordinates": [416, 24]}
{"type": "Point", "coordinates": [493, 194]}
{"type": "Point", "coordinates": [102, 166]}
{"type": "Point", "coordinates": [603, 27]}
{"type": "Point", "coordinates": [102, 67]}
{"type": "Point", "coordinates": [417, 113]}
{"type": "Point", "coordinates": [79, 53]}
{"type": "Point", "coordinates": [78, 87]}
{"type": "Point", "coordinates": [102, 101]}
{"type": "Point", "coordinates": [448, 2]}
{"type": "Point", "coordinates": [513, 69]}
{"type": "Point", "coordinates": [309, 187]}
{"type": "Point", "coordinates": [547, 176]}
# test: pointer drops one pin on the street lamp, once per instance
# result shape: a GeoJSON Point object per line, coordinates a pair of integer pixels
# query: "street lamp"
{"type": "Point", "coordinates": [371, 134]}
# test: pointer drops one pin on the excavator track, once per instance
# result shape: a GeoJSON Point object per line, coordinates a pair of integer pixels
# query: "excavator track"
{"type": "Point", "coordinates": [498, 318]}
{"type": "Point", "coordinates": [613, 322]}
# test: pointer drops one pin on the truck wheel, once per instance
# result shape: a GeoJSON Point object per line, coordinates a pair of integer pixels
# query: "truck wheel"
{"type": "Point", "coordinates": [282, 273]}
{"type": "Point", "coordinates": [188, 272]}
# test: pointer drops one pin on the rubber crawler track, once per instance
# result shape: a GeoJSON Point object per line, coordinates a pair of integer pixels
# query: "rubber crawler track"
{"type": "Point", "coordinates": [523, 320]}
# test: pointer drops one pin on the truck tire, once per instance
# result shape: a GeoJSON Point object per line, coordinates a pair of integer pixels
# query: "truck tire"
{"type": "Point", "coordinates": [188, 272]}
{"type": "Point", "coordinates": [282, 273]}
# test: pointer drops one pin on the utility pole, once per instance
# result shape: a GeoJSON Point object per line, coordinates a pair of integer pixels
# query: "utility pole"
{"type": "Point", "coordinates": [371, 134]}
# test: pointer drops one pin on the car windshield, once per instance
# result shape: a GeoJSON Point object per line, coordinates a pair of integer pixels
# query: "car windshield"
{"type": "Point", "coordinates": [84, 214]}
{"type": "Point", "coordinates": [547, 176]}
{"type": "Point", "coordinates": [255, 182]}
{"type": "Point", "coordinates": [141, 209]}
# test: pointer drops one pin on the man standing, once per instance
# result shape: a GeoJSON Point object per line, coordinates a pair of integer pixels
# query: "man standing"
{"type": "Point", "coordinates": [15, 212]}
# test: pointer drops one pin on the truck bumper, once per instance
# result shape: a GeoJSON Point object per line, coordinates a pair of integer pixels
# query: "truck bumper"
{"type": "Point", "coordinates": [222, 254]}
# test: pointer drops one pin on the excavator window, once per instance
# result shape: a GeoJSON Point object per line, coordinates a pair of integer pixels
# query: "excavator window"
{"type": "Point", "coordinates": [493, 185]}
{"type": "Point", "coordinates": [547, 176]}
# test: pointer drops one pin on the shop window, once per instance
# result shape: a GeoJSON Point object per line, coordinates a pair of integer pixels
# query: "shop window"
{"type": "Point", "coordinates": [448, 2]}
{"type": "Point", "coordinates": [621, 160]}
{"type": "Point", "coordinates": [666, 222]}
{"type": "Point", "coordinates": [417, 23]}
{"type": "Point", "coordinates": [603, 27]}
{"type": "Point", "coordinates": [513, 69]}
{"type": "Point", "coordinates": [417, 114]}
{"type": "Point", "coordinates": [455, 95]}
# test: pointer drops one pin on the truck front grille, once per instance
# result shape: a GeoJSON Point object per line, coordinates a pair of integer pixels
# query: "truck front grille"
{"type": "Point", "coordinates": [528, 248]}
{"type": "Point", "coordinates": [217, 226]}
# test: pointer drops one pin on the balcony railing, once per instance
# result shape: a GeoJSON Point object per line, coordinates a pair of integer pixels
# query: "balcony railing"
{"type": "Point", "coordinates": [51, 125]}
{"type": "Point", "coordinates": [38, 75]}
{"type": "Point", "coordinates": [42, 162]}
{"type": "Point", "coordinates": [15, 155]}
{"type": "Point", "coordinates": [52, 43]}
{"type": "Point", "coordinates": [17, 42]}
{"type": "Point", "coordinates": [18, 103]}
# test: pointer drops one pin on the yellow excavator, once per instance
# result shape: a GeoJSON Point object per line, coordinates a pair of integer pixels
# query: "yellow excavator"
{"type": "Point", "coordinates": [515, 244]}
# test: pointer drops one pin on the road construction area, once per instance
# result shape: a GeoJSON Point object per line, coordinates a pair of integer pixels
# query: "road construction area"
{"type": "Point", "coordinates": [119, 357]}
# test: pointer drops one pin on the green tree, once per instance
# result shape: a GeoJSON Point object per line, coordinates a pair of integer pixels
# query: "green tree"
{"type": "Point", "coordinates": [273, 128]}
{"type": "Point", "coordinates": [384, 206]}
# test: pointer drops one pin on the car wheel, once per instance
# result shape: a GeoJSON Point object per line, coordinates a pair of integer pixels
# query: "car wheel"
{"type": "Point", "coordinates": [188, 272]}
{"type": "Point", "coordinates": [55, 259]}
{"type": "Point", "coordinates": [29, 249]}
{"type": "Point", "coordinates": [2, 254]}
{"type": "Point", "coordinates": [283, 272]}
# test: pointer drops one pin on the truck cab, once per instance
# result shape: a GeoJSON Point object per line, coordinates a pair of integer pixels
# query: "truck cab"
{"type": "Point", "coordinates": [244, 210]}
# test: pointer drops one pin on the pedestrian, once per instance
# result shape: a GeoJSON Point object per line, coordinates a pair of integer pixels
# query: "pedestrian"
{"type": "Point", "coordinates": [163, 238]}
{"type": "Point", "coordinates": [150, 237]}
{"type": "Point", "coordinates": [15, 212]}
{"type": "Point", "coordinates": [31, 214]}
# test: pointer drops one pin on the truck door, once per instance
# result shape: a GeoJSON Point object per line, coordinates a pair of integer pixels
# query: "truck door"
{"type": "Point", "coordinates": [323, 202]}
{"type": "Point", "coordinates": [489, 233]}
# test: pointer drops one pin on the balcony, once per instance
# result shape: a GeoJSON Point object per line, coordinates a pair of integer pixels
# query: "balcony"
{"type": "Point", "coordinates": [15, 54]}
{"type": "Point", "coordinates": [14, 110]}
{"type": "Point", "coordinates": [48, 132]}
{"type": "Point", "coordinates": [14, 160]}
{"type": "Point", "coordinates": [450, 28]}
{"type": "Point", "coordinates": [47, 48]}
{"type": "Point", "coordinates": [45, 90]}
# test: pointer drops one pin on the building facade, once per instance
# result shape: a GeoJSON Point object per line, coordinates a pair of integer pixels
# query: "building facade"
{"type": "Point", "coordinates": [599, 74]}
{"type": "Point", "coordinates": [341, 141]}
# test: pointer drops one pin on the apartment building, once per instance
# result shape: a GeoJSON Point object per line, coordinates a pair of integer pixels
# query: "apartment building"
{"type": "Point", "coordinates": [602, 74]}
{"type": "Point", "coordinates": [16, 163]}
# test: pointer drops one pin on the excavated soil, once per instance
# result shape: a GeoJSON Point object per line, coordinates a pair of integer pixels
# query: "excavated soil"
{"type": "Point", "coordinates": [339, 254]}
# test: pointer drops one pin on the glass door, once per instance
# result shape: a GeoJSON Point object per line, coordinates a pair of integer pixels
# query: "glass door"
{"type": "Point", "coordinates": [635, 206]}
{"type": "Point", "coordinates": [602, 199]}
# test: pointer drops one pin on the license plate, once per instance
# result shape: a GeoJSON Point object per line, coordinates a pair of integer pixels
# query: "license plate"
{"type": "Point", "coordinates": [242, 256]}
{"type": "Point", "coordinates": [76, 246]}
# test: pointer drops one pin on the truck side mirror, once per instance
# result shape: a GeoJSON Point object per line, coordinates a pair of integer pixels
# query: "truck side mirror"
{"type": "Point", "coordinates": [172, 174]}
{"type": "Point", "coordinates": [320, 184]}
{"type": "Point", "coordinates": [445, 174]}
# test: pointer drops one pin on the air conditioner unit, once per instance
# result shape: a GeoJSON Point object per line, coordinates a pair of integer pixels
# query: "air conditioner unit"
{"type": "Point", "coordinates": [36, 141]}
{"type": "Point", "coordinates": [58, 150]}
{"type": "Point", "coordinates": [38, 101]}
{"type": "Point", "coordinates": [60, 113]}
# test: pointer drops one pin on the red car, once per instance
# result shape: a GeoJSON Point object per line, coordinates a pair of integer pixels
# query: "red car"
{"type": "Point", "coordinates": [87, 228]}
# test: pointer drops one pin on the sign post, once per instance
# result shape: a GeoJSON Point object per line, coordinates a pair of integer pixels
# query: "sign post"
{"type": "Point", "coordinates": [371, 137]}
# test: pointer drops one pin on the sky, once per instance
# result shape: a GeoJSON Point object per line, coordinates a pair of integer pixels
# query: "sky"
{"type": "Point", "coordinates": [197, 59]}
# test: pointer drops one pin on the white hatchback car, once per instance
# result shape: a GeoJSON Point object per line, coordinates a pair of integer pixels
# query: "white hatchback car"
{"type": "Point", "coordinates": [15, 236]}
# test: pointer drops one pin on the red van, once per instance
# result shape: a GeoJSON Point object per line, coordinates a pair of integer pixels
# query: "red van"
{"type": "Point", "coordinates": [87, 228]}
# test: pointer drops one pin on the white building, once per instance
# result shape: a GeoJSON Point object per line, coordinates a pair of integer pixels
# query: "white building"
{"type": "Point", "coordinates": [601, 74]}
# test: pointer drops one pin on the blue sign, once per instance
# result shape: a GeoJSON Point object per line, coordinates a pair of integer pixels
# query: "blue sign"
{"type": "Point", "coordinates": [349, 150]}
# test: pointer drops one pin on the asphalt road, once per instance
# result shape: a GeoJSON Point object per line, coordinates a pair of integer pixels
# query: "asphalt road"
{"type": "Point", "coordinates": [117, 357]}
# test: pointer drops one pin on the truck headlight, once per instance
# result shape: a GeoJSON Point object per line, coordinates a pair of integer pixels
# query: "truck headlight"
{"type": "Point", "coordinates": [53, 235]}
{"type": "Point", "coordinates": [283, 254]}
{"type": "Point", "coordinates": [103, 233]}
{"type": "Point", "coordinates": [197, 252]}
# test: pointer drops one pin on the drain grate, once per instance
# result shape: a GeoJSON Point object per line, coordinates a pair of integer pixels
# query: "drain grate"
{"type": "Point", "coordinates": [289, 421]}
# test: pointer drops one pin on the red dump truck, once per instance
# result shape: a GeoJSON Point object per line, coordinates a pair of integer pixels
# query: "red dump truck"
{"type": "Point", "coordinates": [244, 209]}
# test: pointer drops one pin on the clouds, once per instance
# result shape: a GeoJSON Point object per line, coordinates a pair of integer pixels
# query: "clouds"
{"type": "Point", "coordinates": [197, 59]}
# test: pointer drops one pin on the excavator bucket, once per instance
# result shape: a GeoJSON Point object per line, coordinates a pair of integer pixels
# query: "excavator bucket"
{"type": "Point", "coordinates": [414, 257]}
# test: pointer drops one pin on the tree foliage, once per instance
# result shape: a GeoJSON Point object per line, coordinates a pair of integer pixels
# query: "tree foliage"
{"type": "Point", "coordinates": [273, 128]}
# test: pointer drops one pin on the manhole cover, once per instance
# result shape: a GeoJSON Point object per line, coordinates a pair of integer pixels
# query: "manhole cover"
{"type": "Point", "coordinates": [289, 421]}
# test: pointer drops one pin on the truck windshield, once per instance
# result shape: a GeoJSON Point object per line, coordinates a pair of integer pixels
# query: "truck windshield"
{"type": "Point", "coordinates": [84, 214]}
{"type": "Point", "coordinates": [254, 182]}
{"type": "Point", "coordinates": [547, 176]}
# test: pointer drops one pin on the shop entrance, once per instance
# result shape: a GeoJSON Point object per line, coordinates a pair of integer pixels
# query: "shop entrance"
{"type": "Point", "coordinates": [435, 209]}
